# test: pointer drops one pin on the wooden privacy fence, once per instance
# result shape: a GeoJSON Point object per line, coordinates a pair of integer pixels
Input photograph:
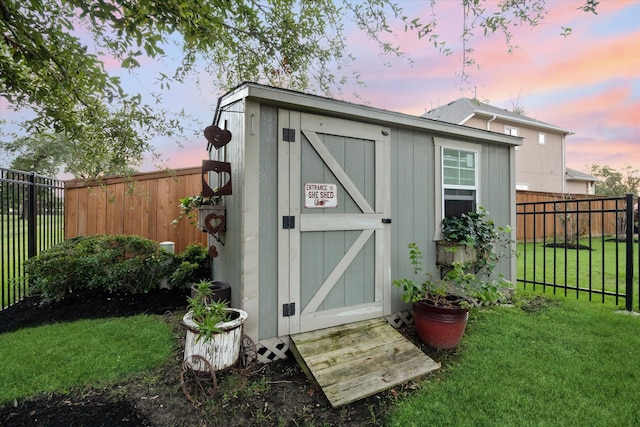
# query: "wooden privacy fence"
{"type": "Point", "coordinates": [146, 208]}
{"type": "Point", "coordinates": [574, 215]}
{"type": "Point", "coordinates": [150, 206]}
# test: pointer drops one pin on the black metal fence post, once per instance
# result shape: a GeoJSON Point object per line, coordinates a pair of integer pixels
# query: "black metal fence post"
{"type": "Point", "coordinates": [31, 216]}
{"type": "Point", "coordinates": [629, 253]}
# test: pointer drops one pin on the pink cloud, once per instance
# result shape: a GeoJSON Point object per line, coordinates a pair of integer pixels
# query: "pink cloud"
{"type": "Point", "coordinates": [545, 62]}
{"type": "Point", "coordinates": [586, 63]}
{"type": "Point", "coordinates": [174, 156]}
{"type": "Point", "coordinates": [562, 9]}
{"type": "Point", "coordinates": [614, 153]}
{"type": "Point", "coordinates": [620, 111]}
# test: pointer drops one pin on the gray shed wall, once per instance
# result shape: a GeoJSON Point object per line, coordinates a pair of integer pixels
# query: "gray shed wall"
{"type": "Point", "coordinates": [228, 265]}
{"type": "Point", "coordinates": [413, 211]}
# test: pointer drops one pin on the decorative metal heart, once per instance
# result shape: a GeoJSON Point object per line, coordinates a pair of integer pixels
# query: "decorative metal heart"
{"type": "Point", "coordinates": [216, 136]}
{"type": "Point", "coordinates": [213, 252]}
{"type": "Point", "coordinates": [223, 169]}
{"type": "Point", "coordinates": [214, 222]}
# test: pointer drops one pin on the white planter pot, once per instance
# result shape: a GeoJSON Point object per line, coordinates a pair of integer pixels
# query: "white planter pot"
{"type": "Point", "coordinates": [222, 350]}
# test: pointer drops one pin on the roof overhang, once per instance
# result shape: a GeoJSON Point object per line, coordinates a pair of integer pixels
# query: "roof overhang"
{"type": "Point", "coordinates": [315, 104]}
{"type": "Point", "coordinates": [523, 121]}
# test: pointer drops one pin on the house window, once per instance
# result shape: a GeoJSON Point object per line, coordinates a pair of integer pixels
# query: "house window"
{"type": "Point", "coordinates": [542, 139]}
{"type": "Point", "coordinates": [459, 181]}
{"type": "Point", "coordinates": [511, 131]}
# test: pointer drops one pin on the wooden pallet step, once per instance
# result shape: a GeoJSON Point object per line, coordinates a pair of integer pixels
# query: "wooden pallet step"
{"type": "Point", "coordinates": [354, 361]}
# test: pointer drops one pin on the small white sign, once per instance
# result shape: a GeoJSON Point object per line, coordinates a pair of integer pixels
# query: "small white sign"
{"type": "Point", "coordinates": [320, 195]}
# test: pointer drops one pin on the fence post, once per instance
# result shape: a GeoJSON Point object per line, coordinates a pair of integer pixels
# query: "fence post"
{"type": "Point", "coordinates": [31, 218]}
{"type": "Point", "coordinates": [629, 253]}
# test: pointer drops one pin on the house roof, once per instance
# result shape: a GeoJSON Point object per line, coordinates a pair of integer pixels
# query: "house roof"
{"type": "Point", "coordinates": [463, 109]}
{"type": "Point", "coordinates": [574, 175]}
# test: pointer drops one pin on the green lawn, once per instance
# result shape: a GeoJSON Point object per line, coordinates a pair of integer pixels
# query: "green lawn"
{"type": "Point", "coordinates": [542, 362]}
{"type": "Point", "coordinates": [574, 362]}
{"type": "Point", "coordinates": [607, 269]}
{"type": "Point", "coordinates": [88, 352]}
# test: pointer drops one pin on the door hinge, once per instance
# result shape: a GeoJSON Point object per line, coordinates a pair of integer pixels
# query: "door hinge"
{"type": "Point", "coordinates": [288, 222]}
{"type": "Point", "coordinates": [288, 309]}
{"type": "Point", "coordinates": [289, 135]}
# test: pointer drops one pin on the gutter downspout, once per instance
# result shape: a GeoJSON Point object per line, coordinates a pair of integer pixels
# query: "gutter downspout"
{"type": "Point", "coordinates": [489, 122]}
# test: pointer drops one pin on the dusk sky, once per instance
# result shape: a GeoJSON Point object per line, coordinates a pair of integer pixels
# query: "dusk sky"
{"type": "Point", "coordinates": [587, 83]}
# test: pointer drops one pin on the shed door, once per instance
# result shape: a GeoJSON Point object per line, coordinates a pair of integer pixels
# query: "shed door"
{"type": "Point", "coordinates": [332, 261]}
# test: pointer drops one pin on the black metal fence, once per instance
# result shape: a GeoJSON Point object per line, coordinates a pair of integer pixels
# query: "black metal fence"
{"type": "Point", "coordinates": [582, 247]}
{"type": "Point", "coordinates": [31, 220]}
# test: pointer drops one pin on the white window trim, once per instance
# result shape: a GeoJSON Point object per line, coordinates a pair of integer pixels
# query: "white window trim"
{"type": "Point", "coordinates": [542, 138]}
{"type": "Point", "coordinates": [508, 129]}
{"type": "Point", "coordinates": [439, 144]}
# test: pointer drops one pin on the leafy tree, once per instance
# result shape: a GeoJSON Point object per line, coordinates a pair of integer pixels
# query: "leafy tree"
{"type": "Point", "coordinates": [52, 55]}
{"type": "Point", "coordinates": [42, 153]}
{"type": "Point", "coordinates": [616, 183]}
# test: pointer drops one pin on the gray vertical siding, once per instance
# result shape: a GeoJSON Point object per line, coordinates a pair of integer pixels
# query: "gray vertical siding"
{"type": "Point", "coordinates": [496, 188]}
{"type": "Point", "coordinates": [227, 266]}
{"type": "Point", "coordinates": [268, 263]}
{"type": "Point", "coordinates": [412, 196]}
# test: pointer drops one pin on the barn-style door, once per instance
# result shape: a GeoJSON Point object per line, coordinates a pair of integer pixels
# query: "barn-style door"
{"type": "Point", "coordinates": [334, 205]}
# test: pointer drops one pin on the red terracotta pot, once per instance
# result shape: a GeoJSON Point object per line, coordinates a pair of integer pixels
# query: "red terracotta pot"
{"type": "Point", "coordinates": [439, 327]}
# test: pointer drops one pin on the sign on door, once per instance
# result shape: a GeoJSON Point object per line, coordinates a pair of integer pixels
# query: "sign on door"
{"type": "Point", "coordinates": [320, 195]}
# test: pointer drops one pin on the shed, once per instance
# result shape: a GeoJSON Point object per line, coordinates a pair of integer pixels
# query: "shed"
{"type": "Point", "coordinates": [326, 196]}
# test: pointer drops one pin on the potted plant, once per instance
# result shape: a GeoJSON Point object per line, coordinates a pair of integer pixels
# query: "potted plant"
{"type": "Point", "coordinates": [205, 213]}
{"type": "Point", "coordinates": [472, 238]}
{"type": "Point", "coordinates": [214, 332]}
{"type": "Point", "coordinates": [209, 291]}
{"type": "Point", "coordinates": [441, 304]}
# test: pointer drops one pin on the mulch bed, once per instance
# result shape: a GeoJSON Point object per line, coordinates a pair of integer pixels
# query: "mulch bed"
{"type": "Point", "coordinates": [274, 394]}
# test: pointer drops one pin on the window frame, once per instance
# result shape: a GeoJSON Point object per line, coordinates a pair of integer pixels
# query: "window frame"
{"type": "Point", "coordinates": [440, 144]}
{"type": "Point", "coordinates": [542, 138]}
{"type": "Point", "coordinates": [509, 130]}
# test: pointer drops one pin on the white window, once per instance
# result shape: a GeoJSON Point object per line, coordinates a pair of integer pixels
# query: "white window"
{"type": "Point", "coordinates": [459, 181]}
{"type": "Point", "coordinates": [542, 138]}
{"type": "Point", "coordinates": [511, 131]}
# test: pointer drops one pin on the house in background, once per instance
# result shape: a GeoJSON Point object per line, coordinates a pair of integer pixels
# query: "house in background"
{"type": "Point", "coordinates": [579, 182]}
{"type": "Point", "coordinates": [540, 160]}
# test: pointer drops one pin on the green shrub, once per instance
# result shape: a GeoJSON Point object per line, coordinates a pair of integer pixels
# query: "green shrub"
{"type": "Point", "coordinates": [113, 263]}
{"type": "Point", "coordinates": [192, 267]}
